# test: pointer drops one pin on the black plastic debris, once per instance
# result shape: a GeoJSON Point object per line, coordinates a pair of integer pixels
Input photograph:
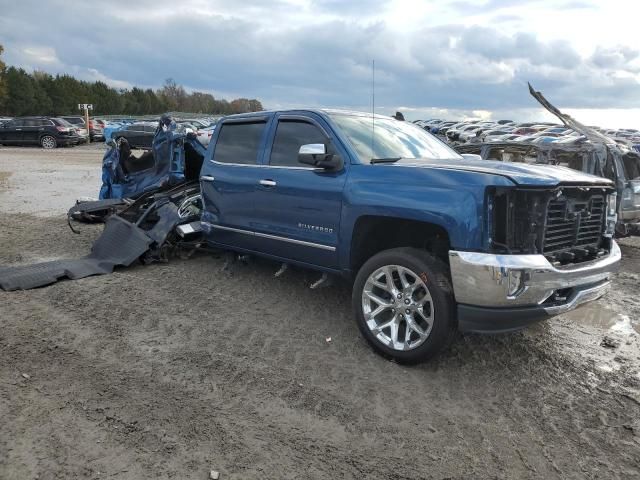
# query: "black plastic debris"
{"type": "Point", "coordinates": [96, 211]}
{"type": "Point", "coordinates": [121, 244]}
{"type": "Point", "coordinates": [145, 229]}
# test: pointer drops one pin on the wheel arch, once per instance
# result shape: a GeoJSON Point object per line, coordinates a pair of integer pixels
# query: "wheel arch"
{"type": "Point", "coordinates": [373, 234]}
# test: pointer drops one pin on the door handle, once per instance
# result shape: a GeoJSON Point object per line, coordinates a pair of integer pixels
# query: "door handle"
{"type": "Point", "coordinates": [207, 178]}
{"type": "Point", "coordinates": [268, 183]}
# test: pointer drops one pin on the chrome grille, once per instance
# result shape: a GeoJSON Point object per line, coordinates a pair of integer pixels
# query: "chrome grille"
{"type": "Point", "coordinates": [574, 220]}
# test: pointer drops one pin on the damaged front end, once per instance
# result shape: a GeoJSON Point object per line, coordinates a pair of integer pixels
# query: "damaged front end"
{"type": "Point", "coordinates": [620, 164]}
{"type": "Point", "coordinates": [595, 154]}
{"type": "Point", "coordinates": [566, 224]}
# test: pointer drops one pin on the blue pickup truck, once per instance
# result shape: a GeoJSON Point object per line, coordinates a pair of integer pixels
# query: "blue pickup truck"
{"type": "Point", "coordinates": [432, 241]}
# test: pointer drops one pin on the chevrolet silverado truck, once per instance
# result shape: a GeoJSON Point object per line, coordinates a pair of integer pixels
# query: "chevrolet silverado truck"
{"type": "Point", "coordinates": [432, 241]}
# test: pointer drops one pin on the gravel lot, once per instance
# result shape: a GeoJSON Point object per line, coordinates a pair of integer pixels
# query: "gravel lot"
{"type": "Point", "coordinates": [173, 370]}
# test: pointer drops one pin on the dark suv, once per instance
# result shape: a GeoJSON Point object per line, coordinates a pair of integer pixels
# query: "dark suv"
{"type": "Point", "coordinates": [44, 131]}
{"type": "Point", "coordinates": [139, 135]}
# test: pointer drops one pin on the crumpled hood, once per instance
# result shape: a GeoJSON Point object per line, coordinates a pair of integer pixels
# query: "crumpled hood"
{"type": "Point", "coordinates": [519, 173]}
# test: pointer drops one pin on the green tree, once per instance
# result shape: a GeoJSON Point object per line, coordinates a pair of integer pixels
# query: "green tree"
{"type": "Point", "coordinates": [106, 100]}
{"type": "Point", "coordinates": [40, 93]}
{"type": "Point", "coordinates": [20, 92]}
{"type": "Point", "coordinates": [173, 95]}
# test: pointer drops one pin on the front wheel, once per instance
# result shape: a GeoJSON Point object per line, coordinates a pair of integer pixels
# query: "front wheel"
{"type": "Point", "coordinates": [48, 142]}
{"type": "Point", "coordinates": [403, 304]}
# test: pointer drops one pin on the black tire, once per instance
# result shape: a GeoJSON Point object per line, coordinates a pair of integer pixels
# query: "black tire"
{"type": "Point", "coordinates": [48, 142]}
{"type": "Point", "coordinates": [435, 275]}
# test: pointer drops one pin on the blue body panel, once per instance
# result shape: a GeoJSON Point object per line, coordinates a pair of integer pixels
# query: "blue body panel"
{"type": "Point", "coordinates": [169, 166]}
{"type": "Point", "coordinates": [308, 216]}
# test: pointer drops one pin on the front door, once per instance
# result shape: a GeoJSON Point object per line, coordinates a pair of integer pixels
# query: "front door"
{"type": "Point", "coordinates": [229, 181]}
{"type": "Point", "coordinates": [298, 208]}
{"type": "Point", "coordinates": [32, 129]}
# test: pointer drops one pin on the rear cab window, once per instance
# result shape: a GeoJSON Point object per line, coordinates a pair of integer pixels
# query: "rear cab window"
{"type": "Point", "coordinates": [239, 142]}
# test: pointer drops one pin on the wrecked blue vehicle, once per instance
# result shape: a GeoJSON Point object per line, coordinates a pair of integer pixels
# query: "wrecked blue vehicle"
{"type": "Point", "coordinates": [151, 206]}
{"type": "Point", "coordinates": [175, 157]}
{"type": "Point", "coordinates": [174, 160]}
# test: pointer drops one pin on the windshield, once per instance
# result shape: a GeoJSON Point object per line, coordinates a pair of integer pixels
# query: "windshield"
{"type": "Point", "coordinates": [390, 139]}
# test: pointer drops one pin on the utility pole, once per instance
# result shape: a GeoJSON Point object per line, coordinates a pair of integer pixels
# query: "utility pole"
{"type": "Point", "coordinates": [85, 107]}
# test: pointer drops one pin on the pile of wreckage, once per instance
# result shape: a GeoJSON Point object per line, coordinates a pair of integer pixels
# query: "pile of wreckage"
{"type": "Point", "coordinates": [151, 206]}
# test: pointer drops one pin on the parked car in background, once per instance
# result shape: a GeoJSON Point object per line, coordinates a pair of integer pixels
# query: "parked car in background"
{"type": "Point", "coordinates": [454, 133]}
{"type": "Point", "coordinates": [197, 123]}
{"type": "Point", "coordinates": [44, 131]}
{"type": "Point", "coordinates": [96, 129]}
{"type": "Point", "coordinates": [494, 132]}
{"type": "Point", "coordinates": [205, 134]}
{"type": "Point", "coordinates": [138, 135]}
{"type": "Point", "coordinates": [441, 128]}
{"type": "Point", "coordinates": [80, 125]}
{"type": "Point", "coordinates": [444, 128]}
{"type": "Point", "coordinates": [525, 130]}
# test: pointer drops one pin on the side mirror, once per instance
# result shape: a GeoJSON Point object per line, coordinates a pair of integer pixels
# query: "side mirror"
{"type": "Point", "coordinates": [315, 154]}
{"type": "Point", "coordinates": [471, 156]}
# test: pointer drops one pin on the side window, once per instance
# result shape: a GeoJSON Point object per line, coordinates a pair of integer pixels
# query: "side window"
{"type": "Point", "coordinates": [32, 122]}
{"type": "Point", "coordinates": [290, 135]}
{"type": "Point", "coordinates": [18, 123]}
{"type": "Point", "coordinates": [239, 143]}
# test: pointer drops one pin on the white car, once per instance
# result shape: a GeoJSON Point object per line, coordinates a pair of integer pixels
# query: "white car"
{"type": "Point", "coordinates": [205, 134]}
{"type": "Point", "coordinates": [199, 124]}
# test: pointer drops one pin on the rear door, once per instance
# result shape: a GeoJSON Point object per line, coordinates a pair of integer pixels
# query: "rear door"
{"type": "Point", "coordinates": [298, 207]}
{"type": "Point", "coordinates": [229, 181]}
{"type": "Point", "coordinates": [12, 134]}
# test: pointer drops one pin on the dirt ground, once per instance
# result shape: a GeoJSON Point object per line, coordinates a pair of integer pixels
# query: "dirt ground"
{"type": "Point", "coordinates": [173, 370]}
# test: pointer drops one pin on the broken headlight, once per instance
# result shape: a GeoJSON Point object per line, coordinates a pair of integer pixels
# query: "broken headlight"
{"type": "Point", "coordinates": [612, 216]}
{"type": "Point", "coordinates": [611, 204]}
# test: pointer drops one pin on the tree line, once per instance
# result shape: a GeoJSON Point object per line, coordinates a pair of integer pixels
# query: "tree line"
{"type": "Point", "coordinates": [39, 93]}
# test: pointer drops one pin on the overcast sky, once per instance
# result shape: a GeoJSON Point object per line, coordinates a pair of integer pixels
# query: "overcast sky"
{"type": "Point", "coordinates": [433, 58]}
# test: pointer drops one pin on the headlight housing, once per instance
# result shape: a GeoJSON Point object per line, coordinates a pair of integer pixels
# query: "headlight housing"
{"type": "Point", "coordinates": [612, 215]}
{"type": "Point", "coordinates": [612, 204]}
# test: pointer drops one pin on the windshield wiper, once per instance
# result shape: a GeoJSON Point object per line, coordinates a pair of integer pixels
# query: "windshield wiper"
{"type": "Point", "coordinates": [385, 160]}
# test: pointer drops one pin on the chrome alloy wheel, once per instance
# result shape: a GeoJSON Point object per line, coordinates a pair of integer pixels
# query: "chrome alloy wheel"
{"type": "Point", "coordinates": [48, 142]}
{"type": "Point", "coordinates": [397, 307]}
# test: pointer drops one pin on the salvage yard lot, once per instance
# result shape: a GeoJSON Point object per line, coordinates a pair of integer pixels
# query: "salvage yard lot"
{"type": "Point", "coordinates": [172, 370]}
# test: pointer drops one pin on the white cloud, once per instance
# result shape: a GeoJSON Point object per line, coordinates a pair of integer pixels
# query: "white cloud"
{"type": "Point", "coordinates": [459, 55]}
{"type": "Point", "coordinates": [40, 55]}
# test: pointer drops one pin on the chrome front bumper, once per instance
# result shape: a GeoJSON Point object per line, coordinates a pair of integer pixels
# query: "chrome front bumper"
{"type": "Point", "coordinates": [523, 281]}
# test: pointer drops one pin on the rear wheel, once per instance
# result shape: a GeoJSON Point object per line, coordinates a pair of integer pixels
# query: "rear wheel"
{"type": "Point", "coordinates": [48, 142]}
{"type": "Point", "coordinates": [403, 304]}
